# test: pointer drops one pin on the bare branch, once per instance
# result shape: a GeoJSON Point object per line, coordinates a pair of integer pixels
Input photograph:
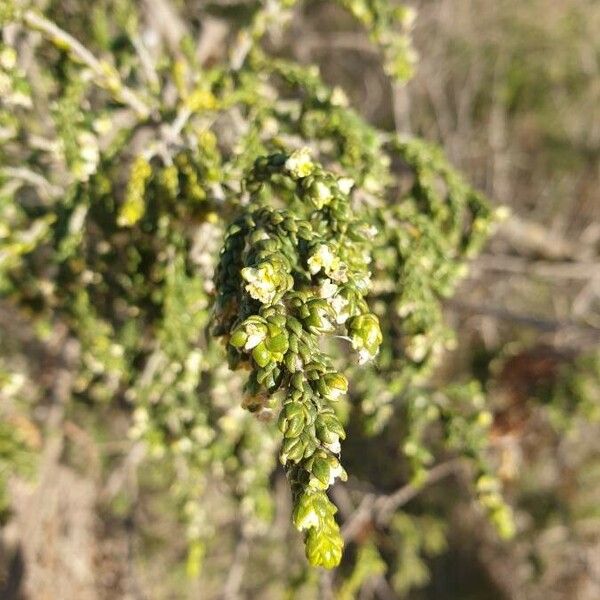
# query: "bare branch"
{"type": "Point", "coordinates": [379, 509]}
{"type": "Point", "coordinates": [548, 325]}
{"type": "Point", "coordinates": [231, 589]}
{"type": "Point", "coordinates": [385, 506]}
{"type": "Point", "coordinates": [543, 268]}
{"type": "Point", "coordinates": [31, 177]}
{"type": "Point", "coordinates": [532, 238]}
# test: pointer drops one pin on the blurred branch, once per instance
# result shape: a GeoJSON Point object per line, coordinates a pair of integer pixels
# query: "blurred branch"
{"type": "Point", "coordinates": [125, 475]}
{"type": "Point", "coordinates": [541, 268]}
{"type": "Point", "coordinates": [533, 238]}
{"type": "Point", "coordinates": [326, 585]}
{"type": "Point", "coordinates": [385, 506]}
{"type": "Point", "coordinates": [356, 42]}
{"type": "Point", "coordinates": [379, 509]}
{"type": "Point", "coordinates": [106, 75]}
{"type": "Point", "coordinates": [163, 19]}
{"type": "Point", "coordinates": [146, 61]}
{"type": "Point", "coordinates": [383, 589]}
{"type": "Point", "coordinates": [231, 589]}
{"type": "Point", "coordinates": [547, 325]}
{"type": "Point", "coordinates": [500, 173]}
{"type": "Point", "coordinates": [214, 32]}
{"type": "Point", "coordinates": [31, 177]}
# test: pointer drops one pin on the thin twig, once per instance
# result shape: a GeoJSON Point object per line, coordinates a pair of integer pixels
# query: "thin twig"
{"type": "Point", "coordinates": [340, 41]}
{"type": "Point", "coordinates": [212, 38]}
{"type": "Point", "coordinates": [356, 521]}
{"type": "Point", "coordinates": [541, 268]}
{"type": "Point", "coordinates": [533, 238]}
{"type": "Point", "coordinates": [183, 115]}
{"type": "Point", "coordinates": [379, 509]}
{"type": "Point", "coordinates": [146, 61]}
{"type": "Point", "coordinates": [385, 506]}
{"type": "Point", "coordinates": [231, 589]}
{"type": "Point", "coordinates": [540, 323]}
{"type": "Point", "coordinates": [383, 589]}
{"type": "Point", "coordinates": [162, 18]}
{"type": "Point", "coordinates": [36, 179]}
{"type": "Point", "coordinates": [326, 585]}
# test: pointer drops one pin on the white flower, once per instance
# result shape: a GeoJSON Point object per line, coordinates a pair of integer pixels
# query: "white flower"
{"type": "Point", "coordinates": [19, 99]}
{"type": "Point", "coordinates": [322, 193]}
{"type": "Point", "coordinates": [337, 471]}
{"type": "Point", "coordinates": [309, 520]}
{"type": "Point", "coordinates": [371, 231]}
{"type": "Point", "coordinates": [327, 289]}
{"type": "Point", "coordinates": [345, 184]}
{"type": "Point", "coordinates": [89, 155]}
{"type": "Point", "coordinates": [502, 213]}
{"type": "Point", "coordinates": [193, 362]}
{"type": "Point", "coordinates": [326, 324]}
{"type": "Point", "coordinates": [323, 258]}
{"type": "Point", "coordinates": [255, 336]}
{"type": "Point", "coordinates": [405, 309]}
{"type": "Point", "coordinates": [338, 97]}
{"type": "Point", "coordinates": [340, 306]}
{"type": "Point", "coordinates": [300, 164]}
{"type": "Point", "coordinates": [409, 17]}
{"type": "Point", "coordinates": [336, 393]}
{"type": "Point", "coordinates": [260, 283]}
{"type": "Point", "coordinates": [334, 446]}
{"type": "Point", "coordinates": [363, 283]}
{"type": "Point", "coordinates": [417, 348]}
{"type": "Point", "coordinates": [8, 58]}
{"type": "Point", "coordinates": [102, 125]}
{"type": "Point", "coordinates": [364, 356]}
{"type": "Point", "coordinates": [140, 416]}
{"type": "Point", "coordinates": [183, 446]}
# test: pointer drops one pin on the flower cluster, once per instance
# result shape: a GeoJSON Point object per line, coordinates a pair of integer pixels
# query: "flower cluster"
{"type": "Point", "coordinates": [287, 276]}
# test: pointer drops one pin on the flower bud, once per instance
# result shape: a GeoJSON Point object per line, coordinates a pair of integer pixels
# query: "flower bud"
{"type": "Point", "coordinates": [366, 336]}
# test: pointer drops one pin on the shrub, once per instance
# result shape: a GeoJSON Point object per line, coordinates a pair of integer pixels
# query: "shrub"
{"type": "Point", "coordinates": [174, 216]}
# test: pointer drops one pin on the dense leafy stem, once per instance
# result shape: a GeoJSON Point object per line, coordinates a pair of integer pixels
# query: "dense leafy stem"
{"type": "Point", "coordinates": [287, 277]}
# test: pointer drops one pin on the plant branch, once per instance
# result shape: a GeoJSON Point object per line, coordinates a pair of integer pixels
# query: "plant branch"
{"type": "Point", "coordinates": [231, 589]}
{"type": "Point", "coordinates": [541, 268]}
{"type": "Point", "coordinates": [385, 506]}
{"type": "Point", "coordinates": [540, 323]}
{"type": "Point", "coordinates": [378, 509]}
{"type": "Point", "coordinates": [107, 76]}
{"type": "Point", "coordinates": [31, 177]}
{"type": "Point", "coordinates": [535, 239]}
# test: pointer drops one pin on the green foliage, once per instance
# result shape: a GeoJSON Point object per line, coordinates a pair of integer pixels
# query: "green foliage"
{"type": "Point", "coordinates": [338, 243]}
{"type": "Point", "coordinates": [574, 396]}
{"type": "Point", "coordinates": [17, 457]}
{"type": "Point", "coordinates": [369, 564]}
{"type": "Point", "coordinates": [415, 536]}
{"type": "Point", "coordinates": [19, 438]}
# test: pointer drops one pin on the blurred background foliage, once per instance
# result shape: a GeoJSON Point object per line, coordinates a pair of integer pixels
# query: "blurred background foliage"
{"type": "Point", "coordinates": [128, 468]}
